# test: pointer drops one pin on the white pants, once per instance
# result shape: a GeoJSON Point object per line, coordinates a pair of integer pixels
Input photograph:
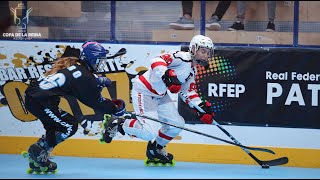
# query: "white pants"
{"type": "Point", "coordinates": [163, 109]}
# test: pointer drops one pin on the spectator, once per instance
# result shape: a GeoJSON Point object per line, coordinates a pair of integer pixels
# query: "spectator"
{"type": "Point", "coordinates": [186, 22]}
{"type": "Point", "coordinates": [5, 17]}
{"type": "Point", "coordinates": [241, 10]}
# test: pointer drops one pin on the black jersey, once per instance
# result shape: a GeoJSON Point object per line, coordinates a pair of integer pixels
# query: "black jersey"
{"type": "Point", "coordinates": [75, 81]}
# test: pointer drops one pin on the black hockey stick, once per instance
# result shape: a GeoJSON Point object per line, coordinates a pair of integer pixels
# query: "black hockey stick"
{"type": "Point", "coordinates": [263, 164]}
{"type": "Point", "coordinates": [122, 51]}
{"type": "Point", "coordinates": [207, 135]}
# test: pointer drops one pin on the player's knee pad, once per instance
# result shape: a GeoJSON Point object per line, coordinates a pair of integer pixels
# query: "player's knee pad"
{"type": "Point", "coordinates": [172, 119]}
{"type": "Point", "coordinates": [171, 130]}
{"type": "Point", "coordinates": [138, 130]}
{"type": "Point", "coordinates": [180, 123]}
{"type": "Point", "coordinates": [148, 135]}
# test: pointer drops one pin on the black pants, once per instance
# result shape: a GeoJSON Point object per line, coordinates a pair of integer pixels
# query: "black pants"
{"type": "Point", "coordinates": [5, 18]}
{"type": "Point", "coordinates": [59, 125]}
{"type": "Point", "coordinates": [221, 9]}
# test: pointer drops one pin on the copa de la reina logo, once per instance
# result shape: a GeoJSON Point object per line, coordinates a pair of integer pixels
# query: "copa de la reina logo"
{"type": "Point", "coordinates": [21, 23]}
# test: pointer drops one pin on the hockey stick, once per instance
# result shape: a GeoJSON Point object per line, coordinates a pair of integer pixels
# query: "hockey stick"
{"type": "Point", "coordinates": [122, 51]}
{"type": "Point", "coordinates": [200, 133]}
{"type": "Point", "coordinates": [263, 164]}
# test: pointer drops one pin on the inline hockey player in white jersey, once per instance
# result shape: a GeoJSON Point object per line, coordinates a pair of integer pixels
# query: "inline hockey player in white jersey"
{"type": "Point", "coordinates": [174, 72]}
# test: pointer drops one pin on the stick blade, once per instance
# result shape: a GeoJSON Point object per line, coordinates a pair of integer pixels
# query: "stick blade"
{"type": "Point", "coordinates": [276, 162]}
{"type": "Point", "coordinates": [122, 51]}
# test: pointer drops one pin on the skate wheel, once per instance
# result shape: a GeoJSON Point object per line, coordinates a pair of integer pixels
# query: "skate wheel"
{"type": "Point", "coordinates": [149, 162]}
{"type": "Point", "coordinates": [29, 171]}
{"type": "Point", "coordinates": [146, 162]}
{"type": "Point", "coordinates": [103, 124]}
{"type": "Point", "coordinates": [25, 154]}
{"type": "Point", "coordinates": [30, 160]}
{"type": "Point", "coordinates": [38, 172]}
{"type": "Point", "coordinates": [164, 164]}
{"type": "Point", "coordinates": [173, 163]}
{"type": "Point", "coordinates": [54, 171]}
{"type": "Point", "coordinates": [45, 172]}
{"type": "Point", "coordinates": [44, 169]}
{"type": "Point", "coordinates": [106, 116]}
{"type": "Point", "coordinates": [34, 163]}
{"type": "Point", "coordinates": [102, 141]}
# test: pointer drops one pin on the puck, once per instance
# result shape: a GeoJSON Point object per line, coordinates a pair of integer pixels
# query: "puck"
{"type": "Point", "coordinates": [265, 166]}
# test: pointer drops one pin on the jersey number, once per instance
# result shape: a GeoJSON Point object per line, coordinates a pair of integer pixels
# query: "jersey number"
{"type": "Point", "coordinates": [57, 80]}
{"type": "Point", "coordinates": [75, 74]}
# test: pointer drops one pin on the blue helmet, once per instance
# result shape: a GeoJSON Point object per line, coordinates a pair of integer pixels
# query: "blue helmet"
{"type": "Point", "coordinates": [93, 54]}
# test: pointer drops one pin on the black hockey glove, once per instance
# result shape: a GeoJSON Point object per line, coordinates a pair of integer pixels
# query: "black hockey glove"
{"type": "Point", "coordinates": [171, 81]}
{"type": "Point", "coordinates": [208, 115]}
{"type": "Point", "coordinates": [121, 107]}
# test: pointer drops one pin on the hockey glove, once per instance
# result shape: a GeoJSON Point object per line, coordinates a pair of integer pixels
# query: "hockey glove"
{"type": "Point", "coordinates": [171, 81]}
{"type": "Point", "coordinates": [208, 115]}
{"type": "Point", "coordinates": [121, 107]}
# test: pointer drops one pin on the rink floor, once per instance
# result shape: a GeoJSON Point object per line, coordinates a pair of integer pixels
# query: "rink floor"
{"type": "Point", "coordinates": [14, 166]}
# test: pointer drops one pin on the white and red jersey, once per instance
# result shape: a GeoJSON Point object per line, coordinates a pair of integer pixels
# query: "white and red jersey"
{"type": "Point", "coordinates": [150, 83]}
{"type": "Point", "coordinates": [150, 98]}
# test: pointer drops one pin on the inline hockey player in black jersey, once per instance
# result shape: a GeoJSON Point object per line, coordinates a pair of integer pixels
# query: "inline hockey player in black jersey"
{"type": "Point", "coordinates": [68, 76]}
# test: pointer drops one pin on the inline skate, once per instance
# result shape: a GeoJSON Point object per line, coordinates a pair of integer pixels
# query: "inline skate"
{"type": "Point", "coordinates": [38, 155]}
{"type": "Point", "coordinates": [157, 155]}
{"type": "Point", "coordinates": [110, 126]}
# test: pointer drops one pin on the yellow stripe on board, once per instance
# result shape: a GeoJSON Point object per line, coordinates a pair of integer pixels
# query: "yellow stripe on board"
{"type": "Point", "coordinates": [224, 154]}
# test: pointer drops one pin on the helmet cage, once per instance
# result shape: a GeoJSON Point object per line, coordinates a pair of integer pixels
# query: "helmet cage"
{"type": "Point", "coordinates": [198, 42]}
{"type": "Point", "coordinates": [100, 65]}
{"type": "Point", "coordinates": [200, 61]}
{"type": "Point", "coordinates": [94, 56]}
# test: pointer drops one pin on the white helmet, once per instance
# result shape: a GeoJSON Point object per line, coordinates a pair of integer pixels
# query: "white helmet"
{"type": "Point", "coordinates": [201, 41]}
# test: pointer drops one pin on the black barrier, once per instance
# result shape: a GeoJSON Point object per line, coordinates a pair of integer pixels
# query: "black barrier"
{"type": "Point", "coordinates": [261, 87]}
